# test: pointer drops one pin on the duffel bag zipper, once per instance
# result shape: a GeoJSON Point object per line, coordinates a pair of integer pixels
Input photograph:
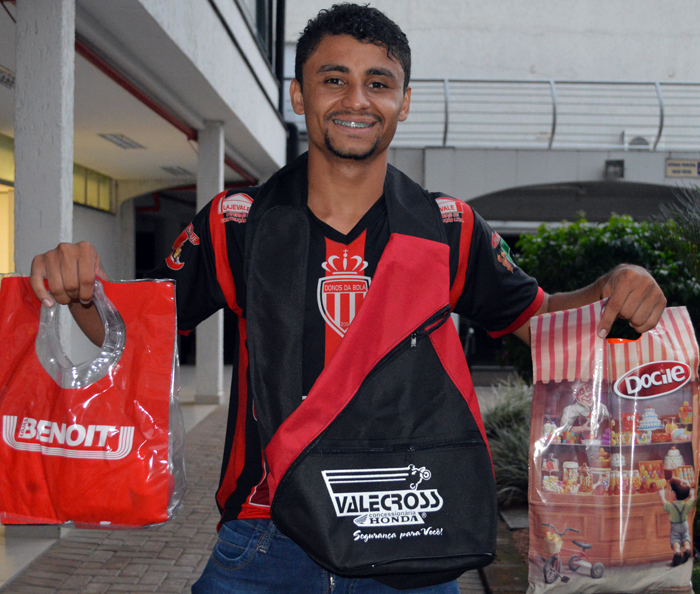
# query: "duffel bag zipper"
{"type": "Point", "coordinates": [425, 329]}
{"type": "Point", "coordinates": [401, 447]}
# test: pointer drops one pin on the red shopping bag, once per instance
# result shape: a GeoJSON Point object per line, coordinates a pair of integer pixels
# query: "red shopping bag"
{"type": "Point", "coordinates": [98, 444]}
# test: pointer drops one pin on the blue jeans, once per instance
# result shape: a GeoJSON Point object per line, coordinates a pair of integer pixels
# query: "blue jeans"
{"type": "Point", "coordinates": [254, 557]}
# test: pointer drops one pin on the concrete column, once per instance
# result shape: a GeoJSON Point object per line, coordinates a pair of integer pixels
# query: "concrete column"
{"type": "Point", "coordinates": [45, 50]}
{"type": "Point", "coordinates": [43, 127]}
{"type": "Point", "coordinates": [210, 333]}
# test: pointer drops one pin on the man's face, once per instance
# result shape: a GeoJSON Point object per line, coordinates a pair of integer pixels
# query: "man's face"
{"type": "Point", "coordinates": [353, 98]}
{"type": "Point", "coordinates": [584, 394]}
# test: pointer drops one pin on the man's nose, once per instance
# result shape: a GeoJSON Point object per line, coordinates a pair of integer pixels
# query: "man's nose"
{"type": "Point", "coordinates": [356, 97]}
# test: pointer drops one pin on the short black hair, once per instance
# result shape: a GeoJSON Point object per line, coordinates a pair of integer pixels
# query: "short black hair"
{"type": "Point", "coordinates": [364, 23]}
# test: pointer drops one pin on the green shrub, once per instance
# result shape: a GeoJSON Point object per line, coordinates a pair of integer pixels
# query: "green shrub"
{"type": "Point", "coordinates": [685, 215]}
{"type": "Point", "coordinates": [507, 426]}
{"type": "Point", "coordinates": [574, 255]}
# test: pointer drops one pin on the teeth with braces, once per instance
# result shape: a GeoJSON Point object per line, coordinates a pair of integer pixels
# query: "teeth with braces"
{"type": "Point", "coordinates": [352, 124]}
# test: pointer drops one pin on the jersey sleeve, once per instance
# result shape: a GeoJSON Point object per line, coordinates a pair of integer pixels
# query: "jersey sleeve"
{"type": "Point", "coordinates": [487, 286]}
{"type": "Point", "coordinates": [205, 259]}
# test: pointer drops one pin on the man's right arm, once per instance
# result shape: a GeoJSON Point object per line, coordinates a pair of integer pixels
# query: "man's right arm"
{"type": "Point", "coordinates": [70, 270]}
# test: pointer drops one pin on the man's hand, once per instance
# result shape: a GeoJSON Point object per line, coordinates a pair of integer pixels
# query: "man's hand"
{"type": "Point", "coordinates": [633, 295]}
{"type": "Point", "coordinates": [70, 270]}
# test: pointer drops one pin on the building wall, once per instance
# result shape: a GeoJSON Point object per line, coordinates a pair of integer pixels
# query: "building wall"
{"type": "Point", "coordinates": [470, 173]}
{"type": "Point", "coordinates": [618, 40]}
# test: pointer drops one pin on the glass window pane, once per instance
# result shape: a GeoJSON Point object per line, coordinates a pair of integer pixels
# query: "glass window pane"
{"type": "Point", "coordinates": [105, 193]}
{"type": "Point", "coordinates": [7, 158]}
{"type": "Point", "coordinates": [93, 189]}
{"type": "Point", "coordinates": [79, 174]}
{"type": "Point", "coordinates": [249, 6]}
{"type": "Point", "coordinates": [7, 229]}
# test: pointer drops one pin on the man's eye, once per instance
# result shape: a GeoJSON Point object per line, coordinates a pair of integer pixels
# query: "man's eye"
{"type": "Point", "coordinates": [377, 85]}
{"type": "Point", "coordinates": [334, 81]}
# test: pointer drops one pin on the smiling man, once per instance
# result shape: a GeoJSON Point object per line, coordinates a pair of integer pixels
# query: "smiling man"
{"type": "Point", "coordinates": [342, 275]}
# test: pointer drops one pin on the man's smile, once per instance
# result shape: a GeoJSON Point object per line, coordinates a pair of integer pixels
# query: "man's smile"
{"type": "Point", "coordinates": [352, 124]}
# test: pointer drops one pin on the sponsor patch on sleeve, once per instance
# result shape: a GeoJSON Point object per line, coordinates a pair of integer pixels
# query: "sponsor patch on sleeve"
{"type": "Point", "coordinates": [503, 252]}
{"type": "Point", "coordinates": [173, 260]}
{"type": "Point", "coordinates": [451, 210]}
{"type": "Point", "coordinates": [235, 208]}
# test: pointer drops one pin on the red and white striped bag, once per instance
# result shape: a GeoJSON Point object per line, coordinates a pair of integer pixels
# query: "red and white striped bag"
{"type": "Point", "coordinates": [613, 455]}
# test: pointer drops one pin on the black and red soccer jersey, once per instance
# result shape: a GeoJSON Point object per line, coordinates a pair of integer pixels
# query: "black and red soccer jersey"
{"type": "Point", "coordinates": [208, 261]}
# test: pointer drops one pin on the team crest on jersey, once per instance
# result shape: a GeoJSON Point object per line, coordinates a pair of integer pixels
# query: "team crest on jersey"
{"type": "Point", "coordinates": [235, 208]}
{"type": "Point", "coordinates": [341, 294]}
{"type": "Point", "coordinates": [451, 210]}
{"type": "Point", "coordinates": [173, 260]}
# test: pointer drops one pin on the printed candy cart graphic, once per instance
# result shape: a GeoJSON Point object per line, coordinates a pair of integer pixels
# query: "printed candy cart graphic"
{"type": "Point", "coordinates": [382, 497]}
{"type": "Point", "coordinates": [92, 442]}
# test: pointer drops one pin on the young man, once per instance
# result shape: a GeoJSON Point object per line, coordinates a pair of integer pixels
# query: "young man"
{"type": "Point", "coordinates": [352, 73]}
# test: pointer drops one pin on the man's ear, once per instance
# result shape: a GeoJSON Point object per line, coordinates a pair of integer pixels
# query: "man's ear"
{"type": "Point", "coordinates": [297, 97]}
{"type": "Point", "coordinates": [405, 106]}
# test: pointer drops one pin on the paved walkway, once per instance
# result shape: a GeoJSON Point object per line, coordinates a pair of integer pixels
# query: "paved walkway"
{"type": "Point", "coordinates": [168, 558]}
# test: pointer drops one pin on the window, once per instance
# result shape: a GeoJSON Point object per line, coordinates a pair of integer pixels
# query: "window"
{"type": "Point", "coordinates": [7, 229]}
{"type": "Point", "coordinates": [91, 188]}
{"type": "Point", "coordinates": [7, 205]}
{"type": "Point", "coordinates": [260, 17]}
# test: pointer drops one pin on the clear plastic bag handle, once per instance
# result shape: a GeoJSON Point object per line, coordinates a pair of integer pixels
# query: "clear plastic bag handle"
{"type": "Point", "coordinates": [54, 359]}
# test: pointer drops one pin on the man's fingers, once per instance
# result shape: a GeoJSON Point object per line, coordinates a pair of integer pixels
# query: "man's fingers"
{"type": "Point", "coordinates": [633, 295]}
{"type": "Point", "coordinates": [37, 278]}
{"type": "Point", "coordinates": [62, 276]}
{"type": "Point", "coordinates": [69, 270]}
{"type": "Point", "coordinates": [610, 312]}
{"type": "Point", "coordinates": [652, 319]}
{"type": "Point", "coordinates": [88, 263]}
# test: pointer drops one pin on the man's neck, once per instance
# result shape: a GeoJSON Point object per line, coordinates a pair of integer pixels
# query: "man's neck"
{"type": "Point", "coordinates": [341, 191]}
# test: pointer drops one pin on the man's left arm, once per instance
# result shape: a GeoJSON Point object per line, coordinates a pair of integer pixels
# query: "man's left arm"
{"type": "Point", "coordinates": [631, 293]}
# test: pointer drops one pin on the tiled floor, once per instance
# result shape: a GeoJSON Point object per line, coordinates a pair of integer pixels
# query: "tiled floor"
{"type": "Point", "coordinates": [18, 553]}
